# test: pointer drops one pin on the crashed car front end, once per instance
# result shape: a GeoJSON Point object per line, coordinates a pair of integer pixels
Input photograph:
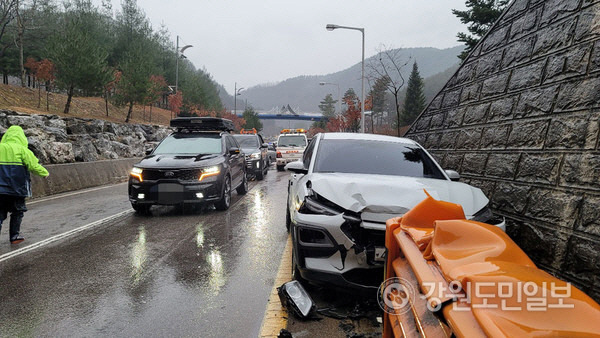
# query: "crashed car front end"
{"type": "Point", "coordinates": [338, 246]}
{"type": "Point", "coordinates": [334, 246]}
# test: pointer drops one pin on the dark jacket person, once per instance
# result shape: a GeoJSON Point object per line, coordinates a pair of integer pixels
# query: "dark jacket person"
{"type": "Point", "coordinates": [16, 161]}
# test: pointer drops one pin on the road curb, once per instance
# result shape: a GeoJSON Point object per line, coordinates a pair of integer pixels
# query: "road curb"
{"type": "Point", "coordinates": [276, 316]}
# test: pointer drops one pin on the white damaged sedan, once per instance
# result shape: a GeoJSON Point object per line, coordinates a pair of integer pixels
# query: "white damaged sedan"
{"type": "Point", "coordinates": [345, 189]}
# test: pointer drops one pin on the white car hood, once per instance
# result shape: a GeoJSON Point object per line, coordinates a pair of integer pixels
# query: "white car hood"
{"type": "Point", "coordinates": [393, 194]}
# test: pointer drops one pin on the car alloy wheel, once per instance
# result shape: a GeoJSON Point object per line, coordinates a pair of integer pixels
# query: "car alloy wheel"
{"type": "Point", "coordinates": [223, 203]}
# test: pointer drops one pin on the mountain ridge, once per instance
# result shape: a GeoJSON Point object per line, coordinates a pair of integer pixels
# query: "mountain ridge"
{"type": "Point", "coordinates": [305, 93]}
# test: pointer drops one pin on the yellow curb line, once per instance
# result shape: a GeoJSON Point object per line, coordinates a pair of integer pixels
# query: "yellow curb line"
{"type": "Point", "coordinates": [275, 317]}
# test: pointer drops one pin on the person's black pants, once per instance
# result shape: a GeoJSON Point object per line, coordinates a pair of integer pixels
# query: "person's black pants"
{"type": "Point", "coordinates": [16, 206]}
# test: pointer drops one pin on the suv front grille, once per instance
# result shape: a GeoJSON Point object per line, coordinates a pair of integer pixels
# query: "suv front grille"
{"type": "Point", "coordinates": [178, 174]}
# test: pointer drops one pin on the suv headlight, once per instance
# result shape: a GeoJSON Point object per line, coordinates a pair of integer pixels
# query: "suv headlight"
{"type": "Point", "coordinates": [255, 156]}
{"type": "Point", "coordinates": [137, 173]}
{"type": "Point", "coordinates": [484, 215]}
{"type": "Point", "coordinates": [210, 171]}
{"type": "Point", "coordinates": [314, 204]}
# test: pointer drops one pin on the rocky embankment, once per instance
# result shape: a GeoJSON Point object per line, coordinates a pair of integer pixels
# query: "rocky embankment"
{"type": "Point", "coordinates": [56, 139]}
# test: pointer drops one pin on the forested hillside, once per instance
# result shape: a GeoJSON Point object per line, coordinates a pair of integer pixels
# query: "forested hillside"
{"type": "Point", "coordinates": [76, 48]}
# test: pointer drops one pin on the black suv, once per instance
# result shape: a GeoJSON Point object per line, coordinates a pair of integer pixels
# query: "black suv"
{"type": "Point", "coordinates": [199, 163]}
{"type": "Point", "coordinates": [255, 150]}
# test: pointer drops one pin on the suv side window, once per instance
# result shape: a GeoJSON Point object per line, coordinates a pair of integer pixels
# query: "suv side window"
{"type": "Point", "coordinates": [229, 141]}
{"type": "Point", "coordinates": [308, 153]}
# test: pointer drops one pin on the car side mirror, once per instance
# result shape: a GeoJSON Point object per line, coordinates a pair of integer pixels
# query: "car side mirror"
{"type": "Point", "coordinates": [148, 150]}
{"type": "Point", "coordinates": [234, 151]}
{"type": "Point", "coordinates": [264, 145]}
{"type": "Point", "coordinates": [453, 175]}
{"type": "Point", "coordinates": [296, 167]}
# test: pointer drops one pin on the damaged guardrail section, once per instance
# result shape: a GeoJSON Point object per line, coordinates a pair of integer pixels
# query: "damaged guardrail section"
{"type": "Point", "coordinates": [446, 275]}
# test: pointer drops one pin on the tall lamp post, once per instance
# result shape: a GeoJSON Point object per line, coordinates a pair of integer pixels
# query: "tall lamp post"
{"type": "Point", "coordinates": [339, 97]}
{"type": "Point", "coordinates": [179, 54]}
{"type": "Point", "coordinates": [331, 27]}
{"type": "Point", "coordinates": [236, 92]}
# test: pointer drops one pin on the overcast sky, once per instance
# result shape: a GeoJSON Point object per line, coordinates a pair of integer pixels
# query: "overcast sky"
{"type": "Point", "coordinates": [253, 42]}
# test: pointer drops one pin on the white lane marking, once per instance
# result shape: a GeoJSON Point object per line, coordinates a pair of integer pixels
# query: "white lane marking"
{"type": "Point", "coordinates": [55, 238]}
{"type": "Point", "coordinates": [44, 199]}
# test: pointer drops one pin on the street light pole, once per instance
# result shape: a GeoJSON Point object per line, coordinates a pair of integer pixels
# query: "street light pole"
{"type": "Point", "coordinates": [339, 97]}
{"type": "Point", "coordinates": [236, 92]}
{"type": "Point", "coordinates": [331, 27]}
{"type": "Point", "coordinates": [177, 64]}
{"type": "Point", "coordinates": [179, 54]}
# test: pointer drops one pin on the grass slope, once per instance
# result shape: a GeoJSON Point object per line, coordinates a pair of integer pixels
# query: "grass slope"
{"type": "Point", "coordinates": [25, 100]}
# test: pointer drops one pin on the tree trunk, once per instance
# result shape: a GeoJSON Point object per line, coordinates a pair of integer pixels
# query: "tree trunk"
{"type": "Point", "coordinates": [69, 96]}
{"type": "Point", "coordinates": [129, 112]}
{"type": "Point", "coordinates": [150, 113]}
{"type": "Point", "coordinates": [398, 116]}
{"type": "Point", "coordinates": [47, 99]}
{"type": "Point", "coordinates": [21, 62]}
{"type": "Point", "coordinates": [106, 101]}
{"type": "Point", "coordinates": [39, 95]}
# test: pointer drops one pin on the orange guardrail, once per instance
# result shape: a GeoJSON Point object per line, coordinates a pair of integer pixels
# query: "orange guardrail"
{"type": "Point", "coordinates": [449, 276]}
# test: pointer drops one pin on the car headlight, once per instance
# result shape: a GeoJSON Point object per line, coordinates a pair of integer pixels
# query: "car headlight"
{"type": "Point", "coordinates": [255, 156]}
{"type": "Point", "coordinates": [484, 215]}
{"type": "Point", "coordinates": [314, 204]}
{"type": "Point", "coordinates": [137, 173]}
{"type": "Point", "coordinates": [210, 171]}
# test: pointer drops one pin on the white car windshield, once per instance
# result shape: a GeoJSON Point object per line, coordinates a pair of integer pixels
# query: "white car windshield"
{"type": "Point", "coordinates": [292, 141]}
{"type": "Point", "coordinates": [374, 157]}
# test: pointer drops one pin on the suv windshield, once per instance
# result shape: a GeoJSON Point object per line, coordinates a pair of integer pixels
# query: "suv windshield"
{"type": "Point", "coordinates": [247, 141]}
{"type": "Point", "coordinates": [192, 143]}
{"type": "Point", "coordinates": [374, 157]}
{"type": "Point", "coordinates": [292, 141]}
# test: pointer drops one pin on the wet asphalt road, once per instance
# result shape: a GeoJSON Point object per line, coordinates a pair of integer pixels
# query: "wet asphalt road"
{"type": "Point", "coordinates": [175, 273]}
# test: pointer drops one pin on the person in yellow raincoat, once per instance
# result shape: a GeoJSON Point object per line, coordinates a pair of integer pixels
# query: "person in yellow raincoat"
{"type": "Point", "coordinates": [16, 161]}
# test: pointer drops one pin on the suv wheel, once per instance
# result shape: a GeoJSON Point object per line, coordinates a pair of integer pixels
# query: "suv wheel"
{"type": "Point", "coordinates": [225, 201]}
{"type": "Point", "coordinates": [288, 219]}
{"type": "Point", "coordinates": [243, 188]}
{"type": "Point", "coordinates": [142, 209]}
{"type": "Point", "coordinates": [280, 167]}
{"type": "Point", "coordinates": [295, 271]}
{"type": "Point", "coordinates": [261, 172]}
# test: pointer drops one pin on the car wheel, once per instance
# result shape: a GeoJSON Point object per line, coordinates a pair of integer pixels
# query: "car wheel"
{"type": "Point", "coordinates": [243, 188]}
{"type": "Point", "coordinates": [295, 271]}
{"type": "Point", "coordinates": [280, 167]}
{"type": "Point", "coordinates": [142, 209]}
{"type": "Point", "coordinates": [261, 172]}
{"type": "Point", "coordinates": [225, 201]}
{"type": "Point", "coordinates": [288, 219]}
{"type": "Point", "coordinates": [267, 166]}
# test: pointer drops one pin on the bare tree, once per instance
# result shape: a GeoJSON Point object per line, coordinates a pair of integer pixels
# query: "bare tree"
{"type": "Point", "coordinates": [22, 10]}
{"type": "Point", "coordinates": [388, 64]}
{"type": "Point", "coordinates": [7, 14]}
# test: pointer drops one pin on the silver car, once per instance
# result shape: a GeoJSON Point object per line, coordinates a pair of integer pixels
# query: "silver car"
{"type": "Point", "coordinates": [344, 190]}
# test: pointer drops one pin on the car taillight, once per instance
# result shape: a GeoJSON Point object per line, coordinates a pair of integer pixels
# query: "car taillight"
{"type": "Point", "coordinates": [279, 154]}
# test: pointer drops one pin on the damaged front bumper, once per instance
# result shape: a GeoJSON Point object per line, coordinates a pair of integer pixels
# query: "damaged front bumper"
{"type": "Point", "coordinates": [338, 250]}
{"type": "Point", "coordinates": [344, 249]}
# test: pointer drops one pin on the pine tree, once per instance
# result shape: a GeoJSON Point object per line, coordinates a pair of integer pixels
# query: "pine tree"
{"type": "Point", "coordinates": [479, 17]}
{"type": "Point", "coordinates": [327, 108]}
{"type": "Point", "coordinates": [81, 62]}
{"type": "Point", "coordinates": [414, 102]}
{"type": "Point", "coordinates": [252, 120]}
